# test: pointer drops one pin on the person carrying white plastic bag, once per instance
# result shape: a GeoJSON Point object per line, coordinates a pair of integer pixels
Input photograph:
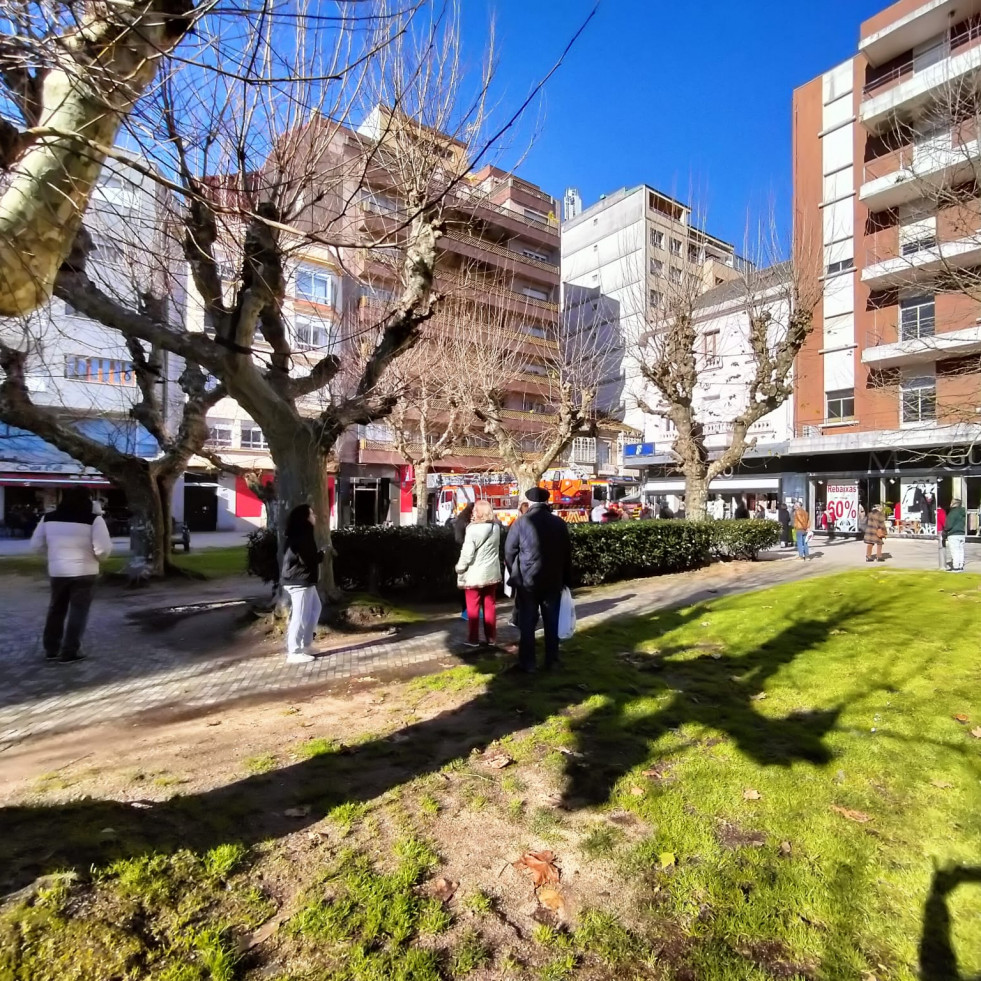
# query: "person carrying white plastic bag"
{"type": "Point", "coordinates": [567, 615]}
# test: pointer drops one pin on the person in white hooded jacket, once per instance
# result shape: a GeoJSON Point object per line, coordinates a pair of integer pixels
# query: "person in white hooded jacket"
{"type": "Point", "coordinates": [76, 540]}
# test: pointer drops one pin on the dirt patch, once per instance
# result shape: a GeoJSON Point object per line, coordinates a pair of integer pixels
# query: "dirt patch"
{"type": "Point", "coordinates": [731, 836]}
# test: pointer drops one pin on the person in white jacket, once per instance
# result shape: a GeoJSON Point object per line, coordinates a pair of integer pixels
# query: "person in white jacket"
{"type": "Point", "coordinates": [76, 540]}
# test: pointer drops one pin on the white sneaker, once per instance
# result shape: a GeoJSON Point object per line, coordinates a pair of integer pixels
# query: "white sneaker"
{"type": "Point", "coordinates": [299, 657]}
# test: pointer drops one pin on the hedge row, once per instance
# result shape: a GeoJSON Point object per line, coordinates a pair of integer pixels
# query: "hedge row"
{"type": "Point", "coordinates": [421, 560]}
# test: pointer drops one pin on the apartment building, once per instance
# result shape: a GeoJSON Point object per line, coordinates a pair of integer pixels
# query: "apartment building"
{"type": "Point", "coordinates": [84, 370]}
{"type": "Point", "coordinates": [621, 259]}
{"type": "Point", "coordinates": [885, 162]}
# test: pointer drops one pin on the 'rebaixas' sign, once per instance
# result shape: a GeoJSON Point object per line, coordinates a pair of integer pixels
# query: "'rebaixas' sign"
{"type": "Point", "coordinates": [843, 505]}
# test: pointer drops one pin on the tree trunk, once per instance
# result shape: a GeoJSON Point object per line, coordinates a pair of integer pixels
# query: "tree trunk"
{"type": "Point", "coordinates": [150, 523]}
{"type": "Point", "coordinates": [527, 477]}
{"type": "Point", "coordinates": [422, 494]}
{"type": "Point", "coordinates": [696, 496]}
{"type": "Point", "coordinates": [301, 478]}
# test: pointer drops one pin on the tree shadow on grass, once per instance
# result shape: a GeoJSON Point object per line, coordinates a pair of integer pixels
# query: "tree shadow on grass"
{"type": "Point", "coordinates": [37, 839]}
{"type": "Point", "coordinates": [938, 959]}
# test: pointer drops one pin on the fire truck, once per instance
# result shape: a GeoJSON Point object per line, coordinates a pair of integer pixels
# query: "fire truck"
{"type": "Point", "coordinates": [572, 493]}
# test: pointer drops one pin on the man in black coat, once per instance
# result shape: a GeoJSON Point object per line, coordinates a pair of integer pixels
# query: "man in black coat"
{"type": "Point", "coordinates": [538, 554]}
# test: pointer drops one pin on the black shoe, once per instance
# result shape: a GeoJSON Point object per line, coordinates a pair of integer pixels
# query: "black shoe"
{"type": "Point", "coordinates": [518, 669]}
{"type": "Point", "coordinates": [71, 658]}
{"type": "Point", "coordinates": [880, 560]}
{"type": "Point", "coordinates": [51, 655]}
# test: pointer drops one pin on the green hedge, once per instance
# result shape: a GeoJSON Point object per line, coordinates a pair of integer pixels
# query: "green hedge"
{"type": "Point", "coordinates": [422, 559]}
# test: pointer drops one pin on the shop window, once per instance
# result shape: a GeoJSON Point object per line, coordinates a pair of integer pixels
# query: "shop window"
{"type": "Point", "coordinates": [917, 317]}
{"type": "Point", "coordinates": [840, 404]}
{"type": "Point", "coordinates": [253, 437]}
{"type": "Point", "coordinates": [101, 371]}
{"type": "Point", "coordinates": [919, 399]}
{"type": "Point", "coordinates": [220, 433]}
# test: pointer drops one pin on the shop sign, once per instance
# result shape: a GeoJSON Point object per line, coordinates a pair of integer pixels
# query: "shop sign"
{"type": "Point", "coordinates": [843, 505]}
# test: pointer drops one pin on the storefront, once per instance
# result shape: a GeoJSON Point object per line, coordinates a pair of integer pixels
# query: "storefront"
{"type": "Point", "coordinates": [726, 494]}
{"type": "Point", "coordinates": [27, 491]}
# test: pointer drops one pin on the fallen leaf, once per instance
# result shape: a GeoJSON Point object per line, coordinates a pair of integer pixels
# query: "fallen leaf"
{"type": "Point", "coordinates": [666, 859]}
{"type": "Point", "coordinates": [659, 772]}
{"type": "Point", "coordinates": [750, 794]}
{"type": "Point", "coordinates": [551, 898]}
{"type": "Point", "coordinates": [637, 791]}
{"type": "Point", "coordinates": [941, 784]}
{"type": "Point", "coordinates": [786, 848]}
{"type": "Point", "coordinates": [297, 812]}
{"type": "Point", "coordinates": [497, 759]}
{"type": "Point", "coordinates": [976, 732]}
{"type": "Point", "coordinates": [569, 752]}
{"type": "Point", "coordinates": [444, 888]}
{"type": "Point", "coordinates": [141, 805]}
{"type": "Point", "coordinates": [314, 837]}
{"type": "Point", "coordinates": [962, 718]}
{"type": "Point", "coordinates": [540, 865]}
{"type": "Point", "coordinates": [758, 697]}
{"type": "Point", "coordinates": [859, 816]}
{"type": "Point", "coordinates": [217, 722]}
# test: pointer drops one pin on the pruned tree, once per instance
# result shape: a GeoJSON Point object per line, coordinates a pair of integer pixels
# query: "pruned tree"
{"type": "Point", "coordinates": [532, 393]}
{"type": "Point", "coordinates": [69, 75]}
{"type": "Point", "coordinates": [778, 304]}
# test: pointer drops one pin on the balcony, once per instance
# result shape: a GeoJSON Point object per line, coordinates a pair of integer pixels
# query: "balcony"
{"type": "Point", "coordinates": [887, 266]}
{"type": "Point", "coordinates": [500, 295]}
{"type": "Point", "coordinates": [478, 248]}
{"type": "Point", "coordinates": [913, 172]}
{"type": "Point", "coordinates": [896, 35]}
{"type": "Point", "coordinates": [908, 87]}
{"type": "Point", "coordinates": [880, 353]}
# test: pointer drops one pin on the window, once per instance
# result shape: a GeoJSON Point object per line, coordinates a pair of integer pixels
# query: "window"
{"type": "Point", "coordinates": [842, 265]}
{"type": "Point", "coordinates": [919, 399]}
{"type": "Point", "coordinates": [657, 239]}
{"type": "Point", "coordinates": [532, 254]}
{"type": "Point", "coordinates": [220, 432]}
{"type": "Point", "coordinates": [252, 437]}
{"type": "Point", "coordinates": [674, 274]}
{"type": "Point", "coordinates": [917, 316]}
{"type": "Point", "coordinates": [710, 348]}
{"type": "Point", "coordinates": [657, 298]}
{"type": "Point", "coordinates": [914, 245]}
{"type": "Point", "coordinates": [840, 404]}
{"type": "Point", "coordinates": [310, 334]}
{"type": "Point", "coordinates": [675, 244]}
{"type": "Point", "coordinates": [534, 330]}
{"type": "Point", "coordinates": [657, 267]}
{"type": "Point", "coordinates": [695, 255]}
{"type": "Point", "coordinates": [530, 291]}
{"type": "Point", "coordinates": [314, 285]}
{"type": "Point", "coordinates": [102, 371]}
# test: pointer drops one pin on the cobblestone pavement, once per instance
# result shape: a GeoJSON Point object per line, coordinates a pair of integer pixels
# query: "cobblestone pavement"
{"type": "Point", "coordinates": [131, 670]}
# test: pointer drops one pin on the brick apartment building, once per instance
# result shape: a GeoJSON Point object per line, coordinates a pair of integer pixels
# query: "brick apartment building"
{"type": "Point", "coordinates": [885, 154]}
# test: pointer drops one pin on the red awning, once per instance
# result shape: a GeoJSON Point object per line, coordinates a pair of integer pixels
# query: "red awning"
{"type": "Point", "coordinates": [50, 480]}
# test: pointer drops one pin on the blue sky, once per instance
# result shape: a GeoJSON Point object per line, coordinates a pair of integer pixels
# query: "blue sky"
{"type": "Point", "coordinates": [668, 92]}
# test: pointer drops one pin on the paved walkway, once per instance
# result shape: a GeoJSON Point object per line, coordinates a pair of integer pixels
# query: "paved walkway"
{"type": "Point", "coordinates": [134, 668]}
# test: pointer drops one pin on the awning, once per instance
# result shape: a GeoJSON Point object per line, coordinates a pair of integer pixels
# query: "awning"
{"type": "Point", "coordinates": [51, 480]}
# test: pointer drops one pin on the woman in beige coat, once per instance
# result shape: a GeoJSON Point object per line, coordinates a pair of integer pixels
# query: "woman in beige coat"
{"type": "Point", "coordinates": [479, 572]}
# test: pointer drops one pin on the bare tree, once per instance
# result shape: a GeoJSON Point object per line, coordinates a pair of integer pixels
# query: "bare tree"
{"type": "Point", "coordinates": [532, 393]}
{"type": "Point", "coordinates": [69, 74]}
{"type": "Point", "coordinates": [778, 304]}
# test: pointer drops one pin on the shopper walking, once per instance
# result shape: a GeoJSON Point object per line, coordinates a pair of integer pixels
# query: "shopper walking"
{"type": "Point", "coordinates": [954, 533]}
{"type": "Point", "coordinates": [479, 572]}
{"type": "Point", "coordinates": [538, 554]}
{"type": "Point", "coordinates": [802, 525]}
{"type": "Point", "coordinates": [783, 517]}
{"type": "Point", "coordinates": [76, 540]}
{"type": "Point", "coordinates": [301, 573]}
{"type": "Point", "coordinates": [875, 535]}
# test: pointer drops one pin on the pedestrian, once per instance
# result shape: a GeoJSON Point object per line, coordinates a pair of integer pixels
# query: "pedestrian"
{"type": "Point", "coordinates": [954, 534]}
{"type": "Point", "coordinates": [875, 535]}
{"type": "Point", "coordinates": [802, 525]}
{"type": "Point", "coordinates": [459, 526]}
{"type": "Point", "coordinates": [301, 573]}
{"type": "Point", "coordinates": [665, 512]}
{"type": "Point", "coordinates": [598, 515]}
{"type": "Point", "coordinates": [513, 621]}
{"type": "Point", "coordinates": [479, 572]}
{"type": "Point", "coordinates": [783, 517]}
{"type": "Point", "coordinates": [538, 554]}
{"type": "Point", "coordinates": [681, 511]}
{"type": "Point", "coordinates": [742, 512]}
{"type": "Point", "coordinates": [760, 513]}
{"type": "Point", "coordinates": [76, 540]}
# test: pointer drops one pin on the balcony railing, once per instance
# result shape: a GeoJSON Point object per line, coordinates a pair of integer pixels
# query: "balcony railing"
{"type": "Point", "coordinates": [477, 243]}
{"type": "Point", "coordinates": [965, 36]}
{"type": "Point", "coordinates": [810, 430]}
{"type": "Point", "coordinates": [493, 291]}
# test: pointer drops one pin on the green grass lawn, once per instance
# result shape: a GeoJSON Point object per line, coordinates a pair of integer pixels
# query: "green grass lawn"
{"type": "Point", "coordinates": [212, 563]}
{"type": "Point", "coordinates": [785, 784]}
